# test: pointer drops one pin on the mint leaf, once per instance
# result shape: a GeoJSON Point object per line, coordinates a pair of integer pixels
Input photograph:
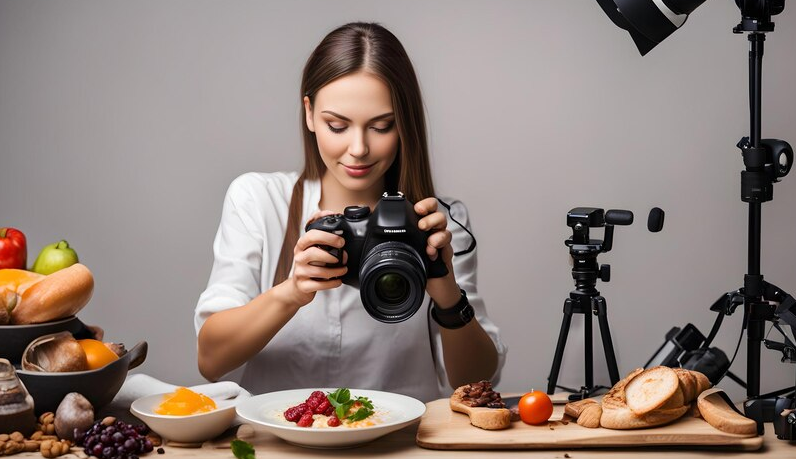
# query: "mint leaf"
{"type": "Point", "coordinates": [342, 402]}
{"type": "Point", "coordinates": [360, 414]}
{"type": "Point", "coordinates": [242, 449]}
{"type": "Point", "coordinates": [365, 402]}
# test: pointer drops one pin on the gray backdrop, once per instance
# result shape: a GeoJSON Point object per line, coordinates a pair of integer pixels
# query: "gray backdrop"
{"type": "Point", "coordinates": [123, 123]}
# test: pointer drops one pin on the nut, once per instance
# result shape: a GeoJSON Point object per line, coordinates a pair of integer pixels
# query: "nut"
{"type": "Point", "coordinates": [37, 435]}
{"type": "Point", "coordinates": [4, 437]}
{"type": "Point", "coordinates": [47, 423]}
{"type": "Point", "coordinates": [590, 416]}
{"type": "Point", "coordinates": [17, 437]}
{"type": "Point", "coordinates": [108, 421]}
{"type": "Point", "coordinates": [154, 439]}
{"type": "Point", "coordinates": [31, 446]}
{"type": "Point", "coordinates": [54, 448]}
{"type": "Point", "coordinates": [9, 447]}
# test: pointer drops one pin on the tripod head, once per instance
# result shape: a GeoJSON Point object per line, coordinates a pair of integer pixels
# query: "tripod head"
{"type": "Point", "coordinates": [584, 251]}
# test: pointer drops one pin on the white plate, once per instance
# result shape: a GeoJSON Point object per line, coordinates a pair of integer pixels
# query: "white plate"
{"type": "Point", "coordinates": [396, 411]}
{"type": "Point", "coordinates": [194, 428]}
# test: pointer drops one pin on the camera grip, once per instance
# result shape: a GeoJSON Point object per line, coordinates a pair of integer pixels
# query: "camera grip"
{"type": "Point", "coordinates": [437, 268]}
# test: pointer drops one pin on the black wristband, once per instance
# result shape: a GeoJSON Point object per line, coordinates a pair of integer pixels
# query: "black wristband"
{"type": "Point", "coordinates": [456, 317]}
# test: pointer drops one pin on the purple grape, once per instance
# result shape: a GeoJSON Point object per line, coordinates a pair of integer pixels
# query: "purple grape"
{"type": "Point", "coordinates": [96, 450]}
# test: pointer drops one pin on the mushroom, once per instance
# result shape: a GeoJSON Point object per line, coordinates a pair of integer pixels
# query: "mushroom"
{"type": "Point", "coordinates": [74, 412]}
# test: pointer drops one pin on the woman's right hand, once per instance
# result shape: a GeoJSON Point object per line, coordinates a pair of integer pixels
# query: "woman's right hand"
{"type": "Point", "coordinates": [311, 263]}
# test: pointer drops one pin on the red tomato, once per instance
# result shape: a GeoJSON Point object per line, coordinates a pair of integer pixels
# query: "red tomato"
{"type": "Point", "coordinates": [535, 407]}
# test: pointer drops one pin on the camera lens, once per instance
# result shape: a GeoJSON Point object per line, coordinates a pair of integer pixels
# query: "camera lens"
{"type": "Point", "coordinates": [392, 288]}
{"type": "Point", "coordinates": [392, 282]}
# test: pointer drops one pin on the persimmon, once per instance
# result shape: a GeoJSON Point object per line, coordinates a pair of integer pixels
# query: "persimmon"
{"type": "Point", "coordinates": [97, 354]}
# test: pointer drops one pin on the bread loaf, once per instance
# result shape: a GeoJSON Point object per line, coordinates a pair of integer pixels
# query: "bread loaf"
{"type": "Point", "coordinates": [651, 389]}
{"type": "Point", "coordinates": [717, 412]}
{"type": "Point", "coordinates": [32, 298]}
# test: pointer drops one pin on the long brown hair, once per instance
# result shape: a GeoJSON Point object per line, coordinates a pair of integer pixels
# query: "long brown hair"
{"type": "Point", "coordinates": [370, 48]}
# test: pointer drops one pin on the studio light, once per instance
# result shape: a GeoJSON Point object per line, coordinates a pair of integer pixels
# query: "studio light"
{"type": "Point", "coordinates": [649, 22]}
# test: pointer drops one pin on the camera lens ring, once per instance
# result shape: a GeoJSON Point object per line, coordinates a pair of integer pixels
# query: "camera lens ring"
{"type": "Point", "coordinates": [390, 259]}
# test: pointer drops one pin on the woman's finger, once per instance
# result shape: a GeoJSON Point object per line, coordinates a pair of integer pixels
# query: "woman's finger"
{"type": "Point", "coordinates": [440, 239]}
{"type": "Point", "coordinates": [318, 237]}
{"type": "Point", "coordinates": [437, 220]}
{"type": "Point", "coordinates": [318, 272]}
{"type": "Point", "coordinates": [309, 285]}
{"type": "Point", "coordinates": [316, 256]}
{"type": "Point", "coordinates": [426, 206]}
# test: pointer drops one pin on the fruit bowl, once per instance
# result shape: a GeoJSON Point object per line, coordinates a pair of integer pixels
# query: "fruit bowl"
{"type": "Point", "coordinates": [15, 338]}
{"type": "Point", "coordinates": [193, 428]}
{"type": "Point", "coordinates": [98, 386]}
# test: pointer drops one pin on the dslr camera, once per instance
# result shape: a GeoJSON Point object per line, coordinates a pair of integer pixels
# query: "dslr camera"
{"type": "Point", "coordinates": [387, 258]}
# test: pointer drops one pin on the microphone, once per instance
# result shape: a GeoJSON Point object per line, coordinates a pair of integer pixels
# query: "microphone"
{"type": "Point", "coordinates": [655, 219]}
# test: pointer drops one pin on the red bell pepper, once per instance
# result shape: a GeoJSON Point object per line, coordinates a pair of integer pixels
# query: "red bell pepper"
{"type": "Point", "coordinates": [13, 249]}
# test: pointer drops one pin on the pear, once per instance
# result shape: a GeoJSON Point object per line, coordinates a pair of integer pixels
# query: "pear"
{"type": "Point", "coordinates": [54, 257]}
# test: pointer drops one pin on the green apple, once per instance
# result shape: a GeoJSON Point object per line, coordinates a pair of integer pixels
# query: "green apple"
{"type": "Point", "coordinates": [54, 257]}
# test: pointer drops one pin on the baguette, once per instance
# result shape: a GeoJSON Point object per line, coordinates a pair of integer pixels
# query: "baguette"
{"type": "Point", "coordinates": [714, 409]}
{"type": "Point", "coordinates": [55, 296]}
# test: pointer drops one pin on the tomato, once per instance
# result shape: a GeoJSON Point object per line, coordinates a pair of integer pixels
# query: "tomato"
{"type": "Point", "coordinates": [535, 407]}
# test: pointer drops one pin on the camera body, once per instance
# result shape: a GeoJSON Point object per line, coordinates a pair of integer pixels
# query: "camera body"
{"type": "Point", "coordinates": [387, 257]}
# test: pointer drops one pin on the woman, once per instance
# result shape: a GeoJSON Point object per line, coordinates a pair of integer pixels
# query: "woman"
{"type": "Point", "coordinates": [276, 310]}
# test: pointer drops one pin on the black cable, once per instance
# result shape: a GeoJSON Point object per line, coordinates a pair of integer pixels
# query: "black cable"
{"type": "Point", "coordinates": [734, 354]}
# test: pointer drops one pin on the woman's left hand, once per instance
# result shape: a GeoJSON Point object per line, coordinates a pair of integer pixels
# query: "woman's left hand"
{"type": "Point", "coordinates": [443, 290]}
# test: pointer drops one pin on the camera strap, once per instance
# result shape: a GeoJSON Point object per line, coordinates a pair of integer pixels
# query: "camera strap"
{"type": "Point", "coordinates": [472, 244]}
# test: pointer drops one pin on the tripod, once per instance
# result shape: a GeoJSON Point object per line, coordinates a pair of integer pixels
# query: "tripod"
{"type": "Point", "coordinates": [586, 299]}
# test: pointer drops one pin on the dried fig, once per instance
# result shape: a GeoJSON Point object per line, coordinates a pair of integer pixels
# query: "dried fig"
{"type": "Point", "coordinates": [74, 412]}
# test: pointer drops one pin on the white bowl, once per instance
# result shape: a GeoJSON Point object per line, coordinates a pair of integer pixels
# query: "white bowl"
{"type": "Point", "coordinates": [262, 410]}
{"type": "Point", "coordinates": [194, 428]}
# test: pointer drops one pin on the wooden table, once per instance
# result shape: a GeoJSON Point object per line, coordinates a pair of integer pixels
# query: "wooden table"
{"type": "Point", "coordinates": [402, 444]}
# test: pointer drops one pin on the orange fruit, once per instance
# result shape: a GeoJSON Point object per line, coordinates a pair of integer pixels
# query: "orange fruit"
{"type": "Point", "coordinates": [97, 354]}
{"type": "Point", "coordinates": [183, 402]}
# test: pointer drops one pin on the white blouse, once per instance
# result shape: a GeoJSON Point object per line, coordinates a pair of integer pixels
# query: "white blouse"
{"type": "Point", "coordinates": [332, 341]}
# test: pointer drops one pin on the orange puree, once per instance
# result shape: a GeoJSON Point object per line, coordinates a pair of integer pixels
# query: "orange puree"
{"type": "Point", "coordinates": [184, 402]}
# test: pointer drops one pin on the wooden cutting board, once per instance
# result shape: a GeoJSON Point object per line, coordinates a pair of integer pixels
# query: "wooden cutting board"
{"type": "Point", "coordinates": [441, 428]}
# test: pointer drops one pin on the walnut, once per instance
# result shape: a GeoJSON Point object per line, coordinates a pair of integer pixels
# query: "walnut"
{"type": "Point", "coordinates": [54, 448]}
{"type": "Point", "coordinates": [47, 423]}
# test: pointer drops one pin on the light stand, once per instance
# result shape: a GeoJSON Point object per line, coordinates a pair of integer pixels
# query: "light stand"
{"type": "Point", "coordinates": [766, 161]}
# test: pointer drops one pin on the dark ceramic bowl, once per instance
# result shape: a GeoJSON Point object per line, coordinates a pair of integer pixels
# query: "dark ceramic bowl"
{"type": "Point", "coordinates": [98, 386]}
{"type": "Point", "coordinates": [15, 338]}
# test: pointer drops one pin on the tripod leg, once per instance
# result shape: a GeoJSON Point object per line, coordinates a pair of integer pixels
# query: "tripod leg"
{"type": "Point", "coordinates": [588, 353]}
{"type": "Point", "coordinates": [601, 309]}
{"type": "Point", "coordinates": [562, 342]}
